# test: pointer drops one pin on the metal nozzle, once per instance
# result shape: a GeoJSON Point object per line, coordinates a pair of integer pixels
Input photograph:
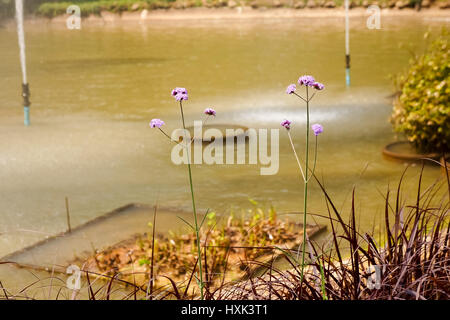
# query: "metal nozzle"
{"type": "Point", "coordinates": [26, 95]}
{"type": "Point", "coordinates": [26, 103]}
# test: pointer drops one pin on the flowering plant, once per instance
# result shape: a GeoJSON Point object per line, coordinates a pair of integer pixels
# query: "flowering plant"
{"type": "Point", "coordinates": [308, 82]}
{"type": "Point", "coordinates": [180, 95]}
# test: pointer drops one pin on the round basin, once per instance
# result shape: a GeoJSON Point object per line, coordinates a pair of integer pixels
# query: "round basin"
{"type": "Point", "coordinates": [222, 128]}
{"type": "Point", "coordinates": [404, 150]}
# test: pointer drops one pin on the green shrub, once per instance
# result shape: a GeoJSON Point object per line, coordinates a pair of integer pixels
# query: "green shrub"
{"type": "Point", "coordinates": [88, 7]}
{"type": "Point", "coordinates": [52, 9]}
{"type": "Point", "coordinates": [422, 111]}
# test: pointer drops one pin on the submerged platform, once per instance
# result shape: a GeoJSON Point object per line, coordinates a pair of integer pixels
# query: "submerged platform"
{"type": "Point", "coordinates": [55, 253]}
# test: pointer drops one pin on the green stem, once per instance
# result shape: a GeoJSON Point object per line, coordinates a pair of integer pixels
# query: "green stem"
{"type": "Point", "coordinates": [296, 156]}
{"type": "Point", "coordinates": [167, 136]}
{"type": "Point", "coordinates": [315, 161]}
{"type": "Point", "coordinates": [199, 252]}
{"type": "Point", "coordinates": [322, 280]}
{"type": "Point", "coordinates": [305, 196]}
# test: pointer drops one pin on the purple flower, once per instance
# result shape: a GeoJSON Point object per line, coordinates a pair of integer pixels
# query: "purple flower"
{"type": "Point", "coordinates": [156, 123]}
{"type": "Point", "coordinates": [291, 89]}
{"type": "Point", "coordinates": [180, 97]}
{"type": "Point", "coordinates": [180, 93]}
{"type": "Point", "coordinates": [317, 128]}
{"type": "Point", "coordinates": [306, 81]}
{"type": "Point", "coordinates": [286, 124]}
{"type": "Point", "coordinates": [179, 90]}
{"type": "Point", "coordinates": [318, 86]}
{"type": "Point", "coordinates": [210, 112]}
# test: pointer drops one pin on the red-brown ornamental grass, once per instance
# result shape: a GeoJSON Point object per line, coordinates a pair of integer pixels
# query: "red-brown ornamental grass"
{"type": "Point", "coordinates": [411, 256]}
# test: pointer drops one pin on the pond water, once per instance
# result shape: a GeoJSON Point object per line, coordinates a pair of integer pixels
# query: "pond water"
{"type": "Point", "coordinates": [94, 90]}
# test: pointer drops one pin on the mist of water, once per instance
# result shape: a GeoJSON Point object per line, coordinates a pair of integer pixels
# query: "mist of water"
{"type": "Point", "coordinates": [21, 35]}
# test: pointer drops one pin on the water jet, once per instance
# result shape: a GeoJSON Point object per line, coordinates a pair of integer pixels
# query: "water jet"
{"type": "Point", "coordinates": [25, 86]}
{"type": "Point", "coordinates": [347, 45]}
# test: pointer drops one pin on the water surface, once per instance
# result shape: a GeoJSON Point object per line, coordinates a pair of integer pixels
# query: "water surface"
{"type": "Point", "coordinates": [94, 91]}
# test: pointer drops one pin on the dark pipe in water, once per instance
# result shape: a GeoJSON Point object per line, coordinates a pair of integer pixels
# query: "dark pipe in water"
{"type": "Point", "coordinates": [347, 69]}
{"type": "Point", "coordinates": [26, 103]}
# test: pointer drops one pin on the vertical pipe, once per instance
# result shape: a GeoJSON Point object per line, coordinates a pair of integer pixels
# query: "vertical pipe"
{"type": "Point", "coordinates": [26, 104]}
{"type": "Point", "coordinates": [21, 38]}
{"type": "Point", "coordinates": [347, 45]}
{"type": "Point", "coordinates": [69, 228]}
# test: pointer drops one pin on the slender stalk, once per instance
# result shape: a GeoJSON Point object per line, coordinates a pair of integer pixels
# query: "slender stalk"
{"type": "Point", "coordinates": [305, 196]}
{"type": "Point", "coordinates": [151, 280]}
{"type": "Point", "coordinates": [203, 123]}
{"type": "Point", "coordinates": [199, 253]}
{"type": "Point", "coordinates": [315, 161]}
{"type": "Point", "coordinates": [296, 156]}
{"type": "Point", "coordinates": [192, 139]}
{"type": "Point", "coordinates": [322, 281]}
{"type": "Point", "coordinates": [162, 131]}
{"type": "Point", "coordinates": [301, 96]}
{"type": "Point", "coordinates": [69, 229]}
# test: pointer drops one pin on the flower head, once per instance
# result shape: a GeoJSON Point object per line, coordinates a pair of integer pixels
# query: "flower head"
{"type": "Point", "coordinates": [180, 93]}
{"type": "Point", "coordinates": [318, 86]}
{"type": "Point", "coordinates": [180, 97]}
{"type": "Point", "coordinates": [156, 123]}
{"type": "Point", "coordinates": [306, 81]}
{"type": "Point", "coordinates": [317, 128]}
{"type": "Point", "coordinates": [291, 89]}
{"type": "Point", "coordinates": [286, 124]}
{"type": "Point", "coordinates": [210, 112]}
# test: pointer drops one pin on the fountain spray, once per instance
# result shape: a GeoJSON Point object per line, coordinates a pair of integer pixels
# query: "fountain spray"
{"type": "Point", "coordinates": [347, 45]}
{"type": "Point", "coordinates": [25, 87]}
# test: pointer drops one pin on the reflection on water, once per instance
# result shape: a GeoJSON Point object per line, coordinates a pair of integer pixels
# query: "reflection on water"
{"type": "Point", "coordinates": [94, 91]}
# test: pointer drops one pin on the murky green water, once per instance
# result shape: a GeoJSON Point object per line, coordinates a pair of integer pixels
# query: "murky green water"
{"type": "Point", "coordinates": [95, 90]}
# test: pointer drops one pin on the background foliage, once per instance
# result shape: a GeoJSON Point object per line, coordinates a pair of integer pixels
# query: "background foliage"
{"type": "Point", "coordinates": [422, 111]}
{"type": "Point", "coordinates": [52, 8]}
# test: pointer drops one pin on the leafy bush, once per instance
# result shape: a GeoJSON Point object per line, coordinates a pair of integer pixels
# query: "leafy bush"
{"type": "Point", "coordinates": [88, 7]}
{"type": "Point", "coordinates": [50, 9]}
{"type": "Point", "coordinates": [422, 110]}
